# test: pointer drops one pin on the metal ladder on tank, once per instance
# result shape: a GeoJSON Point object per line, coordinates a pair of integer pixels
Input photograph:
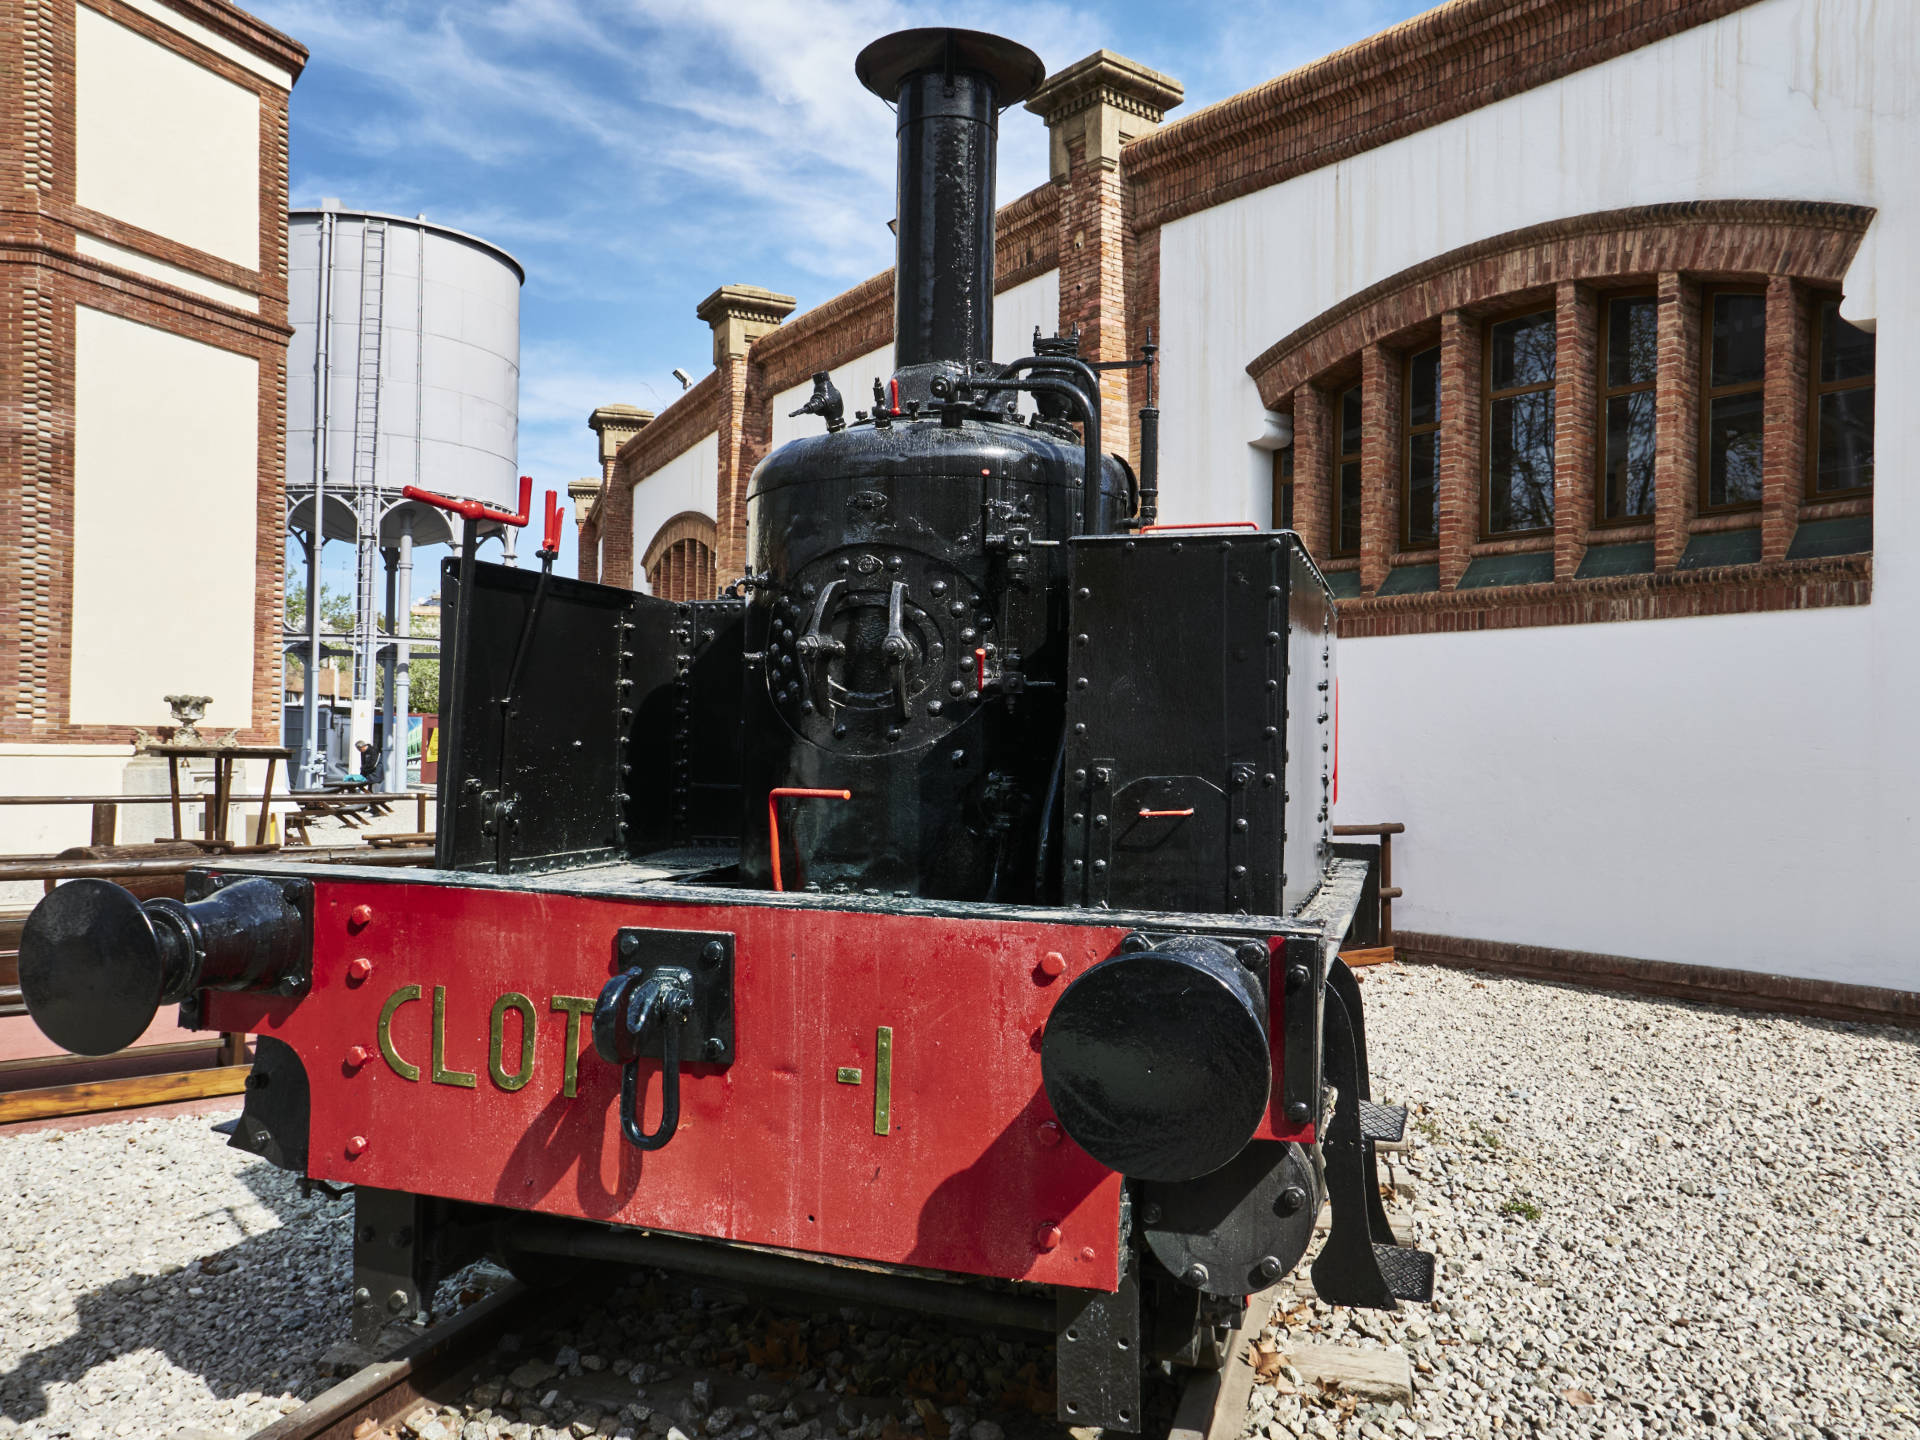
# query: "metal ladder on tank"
{"type": "Point", "coordinates": [366, 448]}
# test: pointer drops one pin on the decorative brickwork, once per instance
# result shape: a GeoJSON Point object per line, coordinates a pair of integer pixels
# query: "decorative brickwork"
{"type": "Point", "coordinates": [1447, 62]}
{"type": "Point", "coordinates": [1577, 338]}
{"type": "Point", "coordinates": [43, 278]}
{"type": "Point", "coordinates": [1092, 109]}
{"type": "Point", "coordinates": [1809, 239]}
{"type": "Point", "coordinates": [1784, 442]}
{"type": "Point", "coordinates": [739, 315]}
{"type": "Point", "coordinates": [680, 559]}
{"type": "Point", "coordinates": [1676, 463]}
{"type": "Point", "coordinates": [1571, 265]}
{"type": "Point", "coordinates": [1731, 590]}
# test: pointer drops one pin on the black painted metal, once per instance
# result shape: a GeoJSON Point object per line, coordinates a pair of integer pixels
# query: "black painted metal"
{"type": "Point", "coordinates": [948, 87]}
{"type": "Point", "coordinates": [672, 1002]}
{"type": "Point", "coordinates": [277, 1110]}
{"type": "Point", "coordinates": [1156, 1061]}
{"type": "Point", "coordinates": [96, 964]}
{"type": "Point", "coordinates": [1239, 1229]}
{"type": "Point", "coordinates": [392, 1270]}
{"type": "Point", "coordinates": [957, 528]}
{"type": "Point", "coordinates": [1097, 1347]}
{"type": "Point", "coordinates": [1361, 1263]}
{"type": "Point", "coordinates": [533, 779]}
{"type": "Point", "coordinates": [1302, 980]}
{"type": "Point", "coordinates": [738, 1264]}
{"type": "Point", "coordinates": [1193, 699]}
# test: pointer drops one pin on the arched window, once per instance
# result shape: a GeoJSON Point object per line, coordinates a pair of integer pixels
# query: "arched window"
{"type": "Point", "coordinates": [679, 561]}
{"type": "Point", "coordinates": [1602, 416]}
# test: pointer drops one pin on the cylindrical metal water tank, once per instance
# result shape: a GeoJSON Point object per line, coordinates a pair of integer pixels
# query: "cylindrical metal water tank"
{"type": "Point", "coordinates": [421, 357]}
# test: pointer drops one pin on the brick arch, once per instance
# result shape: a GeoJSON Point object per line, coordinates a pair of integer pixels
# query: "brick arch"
{"type": "Point", "coordinates": [1809, 240]}
{"type": "Point", "coordinates": [680, 559]}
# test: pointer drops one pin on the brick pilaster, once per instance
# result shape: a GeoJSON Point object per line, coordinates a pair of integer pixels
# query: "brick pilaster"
{"type": "Point", "coordinates": [739, 315]}
{"type": "Point", "coordinates": [1576, 374]}
{"type": "Point", "coordinates": [1676, 435]}
{"type": "Point", "coordinates": [1458, 500]}
{"type": "Point", "coordinates": [616, 536]}
{"type": "Point", "coordinates": [1784, 444]}
{"type": "Point", "coordinates": [1382, 403]}
{"type": "Point", "coordinates": [1312, 469]}
{"type": "Point", "coordinates": [1092, 109]}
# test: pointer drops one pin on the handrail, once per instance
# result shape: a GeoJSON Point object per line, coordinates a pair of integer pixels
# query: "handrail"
{"type": "Point", "coordinates": [473, 509]}
{"type": "Point", "coordinates": [1389, 892]}
{"type": "Point", "coordinates": [292, 796]}
{"type": "Point", "coordinates": [1202, 525]}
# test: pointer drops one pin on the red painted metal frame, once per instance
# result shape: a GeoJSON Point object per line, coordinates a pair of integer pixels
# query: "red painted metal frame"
{"type": "Point", "coordinates": [972, 1176]}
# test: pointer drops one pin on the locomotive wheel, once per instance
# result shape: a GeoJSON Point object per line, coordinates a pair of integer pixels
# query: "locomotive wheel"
{"type": "Point", "coordinates": [1181, 1326]}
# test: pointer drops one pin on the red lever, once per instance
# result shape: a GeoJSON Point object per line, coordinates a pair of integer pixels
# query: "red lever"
{"type": "Point", "coordinates": [893, 387]}
{"type": "Point", "coordinates": [790, 792]}
{"type": "Point", "coordinates": [1203, 525]}
{"type": "Point", "coordinates": [1164, 814]}
{"type": "Point", "coordinates": [550, 545]}
{"type": "Point", "coordinates": [980, 668]}
{"type": "Point", "coordinates": [473, 509]}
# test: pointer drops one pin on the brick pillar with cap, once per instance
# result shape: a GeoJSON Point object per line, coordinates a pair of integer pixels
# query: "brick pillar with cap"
{"type": "Point", "coordinates": [615, 425]}
{"type": "Point", "coordinates": [1092, 109]}
{"type": "Point", "coordinates": [739, 315]}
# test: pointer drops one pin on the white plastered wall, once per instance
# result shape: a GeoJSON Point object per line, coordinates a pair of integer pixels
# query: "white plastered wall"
{"type": "Point", "coordinates": [689, 481]}
{"type": "Point", "coordinates": [164, 143]}
{"type": "Point", "coordinates": [1738, 791]}
{"type": "Point", "coordinates": [165, 498]}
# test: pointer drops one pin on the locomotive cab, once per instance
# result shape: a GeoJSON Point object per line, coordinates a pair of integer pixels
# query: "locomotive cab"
{"type": "Point", "coordinates": [953, 895]}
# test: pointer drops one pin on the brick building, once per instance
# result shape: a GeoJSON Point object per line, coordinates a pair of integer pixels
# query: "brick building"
{"type": "Point", "coordinates": [1554, 327]}
{"type": "Point", "coordinates": [143, 336]}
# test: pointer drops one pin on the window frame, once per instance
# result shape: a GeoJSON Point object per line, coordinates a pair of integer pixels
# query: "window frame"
{"type": "Point", "coordinates": [1408, 432]}
{"type": "Point", "coordinates": [1283, 492]}
{"type": "Point", "coordinates": [1605, 394]}
{"type": "Point", "coordinates": [1486, 531]}
{"type": "Point", "coordinates": [1708, 394]}
{"type": "Point", "coordinates": [1341, 459]}
{"type": "Point", "coordinates": [1817, 303]}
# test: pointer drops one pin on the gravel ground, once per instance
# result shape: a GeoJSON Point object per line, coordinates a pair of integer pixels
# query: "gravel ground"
{"type": "Point", "coordinates": [1653, 1218]}
{"type": "Point", "coordinates": [153, 1281]}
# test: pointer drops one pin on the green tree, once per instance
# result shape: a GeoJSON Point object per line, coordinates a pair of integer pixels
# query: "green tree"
{"type": "Point", "coordinates": [336, 617]}
{"type": "Point", "coordinates": [423, 689]}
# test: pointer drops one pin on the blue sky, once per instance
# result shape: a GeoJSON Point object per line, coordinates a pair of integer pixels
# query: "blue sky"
{"type": "Point", "coordinates": [634, 154]}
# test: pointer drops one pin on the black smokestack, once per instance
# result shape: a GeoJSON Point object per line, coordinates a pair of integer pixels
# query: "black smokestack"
{"type": "Point", "coordinates": [949, 87]}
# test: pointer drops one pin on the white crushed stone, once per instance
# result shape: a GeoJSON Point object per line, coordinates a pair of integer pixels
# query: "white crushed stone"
{"type": "Point", "coordinates": [154, 1282]}
{"type": "Point", "coordinates": [1728, 1231]}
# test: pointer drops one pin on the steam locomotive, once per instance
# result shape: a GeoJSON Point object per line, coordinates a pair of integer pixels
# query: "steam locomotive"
{"type": "Point", "coordinates": [944, 917]}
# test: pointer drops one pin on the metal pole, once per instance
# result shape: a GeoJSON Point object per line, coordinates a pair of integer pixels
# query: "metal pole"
{"type": "Point", "coordinates": [313, 767]}
{"type": "Point", "coordinates": [403, 655]}
{"type": "Point", "coordinates": [388, 656]}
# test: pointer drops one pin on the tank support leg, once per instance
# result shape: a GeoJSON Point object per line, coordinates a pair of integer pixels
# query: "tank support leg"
{"type": "Point", "coordinates": [1097, 1344]}
{"type": "Point", "coordinates": [392, 1271]}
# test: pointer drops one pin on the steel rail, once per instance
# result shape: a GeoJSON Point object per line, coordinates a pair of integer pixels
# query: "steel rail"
{"type": "Point", "coordinates": [438, 1365]}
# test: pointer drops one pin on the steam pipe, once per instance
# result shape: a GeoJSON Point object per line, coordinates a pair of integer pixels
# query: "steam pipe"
{"type": "Point", "coordinates": [1089, 427]}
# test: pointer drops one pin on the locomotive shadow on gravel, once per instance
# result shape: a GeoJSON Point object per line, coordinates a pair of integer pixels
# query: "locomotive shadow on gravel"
{"type": "Point", "coordinates": [975, 751]}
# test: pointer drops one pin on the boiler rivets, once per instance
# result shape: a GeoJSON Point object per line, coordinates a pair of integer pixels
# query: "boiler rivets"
{"type": "Point", "coordinates": [360, 916]}
{"type": "Point", "coordinates": [1050, 1134]}
{"type": "Point", "coordinates": [357, 1056]}
{"type": "Point", "coordinates": [1053, 964]}
{"type": "Point", "coordinates": [1195, 1274]}
{"type": "Point", "coordinates": [359, 968]}
{"type": "Point", "coordinates": [1049, 1237]}
{"type": "Point", "coordinates": [1269, 1268]}
{"type": "Point", "coordinates": [1291, 1200]}
{"type": "Point", "coordinates": [356, 1145]}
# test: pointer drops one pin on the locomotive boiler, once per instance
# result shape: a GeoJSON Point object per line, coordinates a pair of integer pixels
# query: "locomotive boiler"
{"type": "Point", "coordinates": [945, 916]}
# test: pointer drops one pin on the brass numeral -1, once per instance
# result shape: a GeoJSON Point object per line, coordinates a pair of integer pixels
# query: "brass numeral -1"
{"type": "Point", "coordinates": [883, 1080]}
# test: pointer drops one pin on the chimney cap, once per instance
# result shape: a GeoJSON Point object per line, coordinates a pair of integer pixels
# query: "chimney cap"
{"type": "Point", "coordinates": [1014, 69]}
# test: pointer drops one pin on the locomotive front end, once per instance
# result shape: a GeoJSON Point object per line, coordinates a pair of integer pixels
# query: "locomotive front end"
{"type": "Point", "coordinates": [952, 895]}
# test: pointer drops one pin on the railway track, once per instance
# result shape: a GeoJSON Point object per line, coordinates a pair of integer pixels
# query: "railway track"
{"type": "Point", "coordinates": [442, 1366]}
